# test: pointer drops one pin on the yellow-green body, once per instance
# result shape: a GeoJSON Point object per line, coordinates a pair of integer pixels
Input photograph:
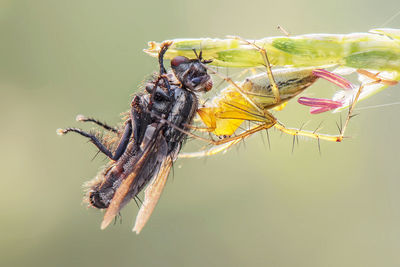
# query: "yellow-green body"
{"type": "Point", "coordinates": [224, 114]}
{"type": "Point", "coordinates": [378, 50]}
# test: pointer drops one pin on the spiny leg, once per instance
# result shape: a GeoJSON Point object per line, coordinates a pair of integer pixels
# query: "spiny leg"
{"type": "Point", "coordinates": [351, 109]}
{"type": "Point", "coordinates": [209, 152]}
{"type": "Point", "coordinates": [217, 142]}
{"type": "Point", "coordinates": [199, 128]}
{"type": "Point", "coordinates": [107, 127]}
{"type": "Point", "coordinates": [314, 134]}
{"type": "Point", "coordinates": [123, 143]}
{"type": "Point", "coordinates": [226, 143]}
{"type": "Point", "coordinates": [275, 89]}
{"type": "Point", "coordinates": [376, 80]}
{"type": "Point", "coordinates": [269, 122]}
{"type": "Point", "coordinates": [237, 88]}
{"type": "Point", "coordinates": [318, 136]}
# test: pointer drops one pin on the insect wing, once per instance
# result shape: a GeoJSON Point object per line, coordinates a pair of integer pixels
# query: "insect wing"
{"type": "Point", "coordinates": [152, 195]}
{"type": "Point", "coordinates": [156, 144]}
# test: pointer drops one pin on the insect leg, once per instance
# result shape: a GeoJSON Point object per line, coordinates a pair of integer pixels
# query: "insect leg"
{"type": "Point", "coordinates": [263, 52]}
{"type": "Point", "coordinates": [164, 48]}
{"type": "Point", "coordinates": [107, 127]}
{"type": "Point", "coordinates": [140, 118]}
{"type": "Point", "coordinates": [298, 132]}
{"type": "Point", "coordinates": [123, 143]}
{"type": "Point", "coordinates": [209, 152]}
{"type": "Point", "coordinates": [237, 88]}
{"type": "Point", "coordinates": [376, 78]}
{"type": "Point", "coordinates": [332, 138]}
{"type": "Point", "coordinates": [163, 72]}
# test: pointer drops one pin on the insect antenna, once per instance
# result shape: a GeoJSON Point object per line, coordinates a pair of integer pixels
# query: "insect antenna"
{"type": "Point", "coordinates": [195, 53]}
{"type": "Point", "coordinates": [200, 56]}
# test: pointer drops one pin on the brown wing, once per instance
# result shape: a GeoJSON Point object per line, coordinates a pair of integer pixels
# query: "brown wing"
{"type": "Point", "coordinates": [152, 195]}
{"type": "Point", "coordinates": [155, 145]}
{"type": "Point", "coordinates": [121, 193]}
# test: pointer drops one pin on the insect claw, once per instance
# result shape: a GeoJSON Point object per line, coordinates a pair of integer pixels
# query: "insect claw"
{"type": "Point", "coordinates": [60, 131]}
{"type": "Point", "coordinates": [80, 117]}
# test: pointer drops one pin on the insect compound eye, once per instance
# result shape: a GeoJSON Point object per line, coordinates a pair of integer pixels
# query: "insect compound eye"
{"type": "Point", "coordinates": [176, 61]}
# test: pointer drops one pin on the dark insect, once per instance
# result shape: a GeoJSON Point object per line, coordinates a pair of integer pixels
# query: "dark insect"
{"type": "Point", "coordinates": [150, 140]}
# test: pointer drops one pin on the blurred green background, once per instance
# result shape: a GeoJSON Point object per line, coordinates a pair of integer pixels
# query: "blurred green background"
{"type": "Point", "coordinates": [250, 207]}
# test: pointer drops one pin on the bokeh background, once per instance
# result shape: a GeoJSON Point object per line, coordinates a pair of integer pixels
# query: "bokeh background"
{"type": "Point", "coordinates": [253, 206]}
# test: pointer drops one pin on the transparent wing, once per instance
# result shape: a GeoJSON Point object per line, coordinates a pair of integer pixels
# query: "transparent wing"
{"type": "Point", "coordinates": [154, 155]}
{"type": "Point", "coordinates": [152, 195]}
